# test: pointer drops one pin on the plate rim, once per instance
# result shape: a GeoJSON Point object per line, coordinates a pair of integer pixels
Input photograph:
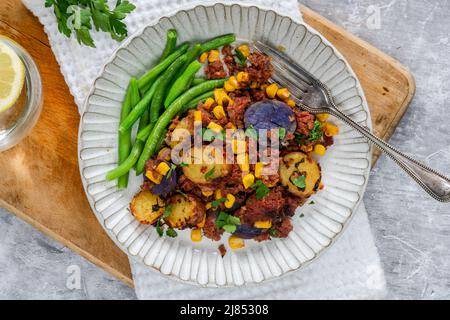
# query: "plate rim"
{"type": "Point", "coordinates": [192, 7]}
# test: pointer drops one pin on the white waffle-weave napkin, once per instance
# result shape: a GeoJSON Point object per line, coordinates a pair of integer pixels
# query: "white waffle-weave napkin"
{"type": "Point", "coordinates": [351, 269]}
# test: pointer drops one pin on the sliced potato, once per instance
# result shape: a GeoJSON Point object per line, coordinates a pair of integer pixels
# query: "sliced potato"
{"type": "Point", "coordinates": [297, 164]}
{"type": "Point", "coordinates": [185, 211]}
{"type": "Point", "coordinates": [147, 207]}
{"type": "Point", "coordinates": [205, 169]}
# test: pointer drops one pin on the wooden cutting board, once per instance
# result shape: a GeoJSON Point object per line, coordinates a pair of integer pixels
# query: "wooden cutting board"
{"type": "Point", "coordinates": [40, 180]}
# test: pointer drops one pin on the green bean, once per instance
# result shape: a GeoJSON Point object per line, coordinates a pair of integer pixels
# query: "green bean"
{"type": "Point", "coordinates": [182, 82]}
{"type": "Point", "coordinates": [194, 102]}
{"type": "Point", "coordinates": [124, 146]}
{"type": "Point", "coordinates": [153, 73]}
{"type": "Point", "coordinates": [135, 96]}
{"type": "Point", "coordinates": [161, 139]}
{"type": "Point", "coordinates": [168, 115]}
{"type": "Point", "coordinates": [133, 157]}
{"type": "Point", "coordinates": [191, 55]}
{"type": "Point", "coordinates": [140, 108]}
{"type": "Point", "coordinates": [161, 90]}
{"type": "Point", "coordinates": [171, 42]}
{"type": "Point", "coordinates": [145, 132]}
{"type": "Point", "coordinates": [218, 42]}
{"type": "Point", "coordinates": [197, 81]}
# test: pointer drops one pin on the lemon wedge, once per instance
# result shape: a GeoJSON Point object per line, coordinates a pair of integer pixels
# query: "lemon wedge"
{"type": "Point", "coordinates": [12, 73]}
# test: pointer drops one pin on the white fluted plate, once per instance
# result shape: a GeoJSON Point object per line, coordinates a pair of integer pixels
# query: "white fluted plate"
{"type": "Point", "coordinates": [345, 167]}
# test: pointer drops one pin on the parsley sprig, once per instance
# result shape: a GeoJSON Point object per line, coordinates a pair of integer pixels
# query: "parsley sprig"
{"type": "Point", "coordinates": [227, 222]}
{"type": "Point", "coordinates": [78, 16]}
{"type": "Point", "coordinates": [261, 189]}
{"type": "Point", "coordinates": [170, 232]}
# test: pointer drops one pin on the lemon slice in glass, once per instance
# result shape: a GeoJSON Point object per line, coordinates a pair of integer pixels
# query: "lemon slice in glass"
{"type": "Point", "coordinates": [12, 73]}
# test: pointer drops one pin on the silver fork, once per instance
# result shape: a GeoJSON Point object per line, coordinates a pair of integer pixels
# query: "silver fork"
{"type": "Point", "coordinates": [314, 96]}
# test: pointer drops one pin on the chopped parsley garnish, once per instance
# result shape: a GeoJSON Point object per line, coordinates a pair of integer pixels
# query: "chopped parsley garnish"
{"type": "Point", "coordinates": [282, 133]}
{"type": "Point", "coordinates": [171, 233]}
{"type": "Point", "coordinates": [227, 222]}
{"type": "Point", "coordinates": [183, 164]}
{"type": "Point", "coordinates": [299, 182]}
{"type": "Point", "coordinates": [301, 215]}
{"type": "Point", "coordinates": [261, 189]}
{"type": "Point", "coordinates": [273, 233]}
{"type": "Point", "coordinates": [217, 202]}
{"type": "Point", "coordinates": [209, 135]}
{"type": "Point", "coordinates": [299, 137]}
{"type": "Point", "coordinates": [251, 133]}
{"type": "Point", "coordinates": [316, 133]}
{"type": "Point", "coordinates": [311, 202]}
{"type": "Point", "coordinates": [159, 229]}
{"type": "Point", "coordinates": [230, 228]}
{"type": "Point", "coordinates": [167, 211]}
{"type": "Point", "coordinates": [171, 170]}
{"type": "Point", "coordinates": [210, 173]}
{"type": "Point", "coordinates": [240, 56]}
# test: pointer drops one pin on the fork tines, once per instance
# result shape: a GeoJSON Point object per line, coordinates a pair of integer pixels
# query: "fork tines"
{"type": "Point", "coordinates": [287, 66]}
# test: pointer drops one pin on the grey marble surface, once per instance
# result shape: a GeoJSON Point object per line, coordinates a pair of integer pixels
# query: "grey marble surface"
{"type": "Point", "coordinates": [412, 232]}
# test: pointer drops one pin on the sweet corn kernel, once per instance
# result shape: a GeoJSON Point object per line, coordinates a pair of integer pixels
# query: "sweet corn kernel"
{"type": "Point", "coordinates": [234, 82]}
{"type": "Point", "coordinates": [214, 126]}
{"type": "Point", "coordinates": [196, 235]}
{"type": "Point", "coordinates": [213, 56]}
{"type": "Point", "coordinates": [219, 113]}
{"type": "Point", "coordinates": [243, 161]}
{"type": "Point", "coordinates": [322, 117]}
{"type": "Point", "coordinates": [235, 242]}
{"type": "Point", "coordinates": [153, 177]}
{"type": "Point", "coordinates": [228, 86]}
{"type": "Point", "coordinates": [248, 180]}
{"type": "Point", "coordinates": [258, 169]}
{"type": "Point", "coordinates": [208, 103]}
{"type": "Point", "coordinates": [198, 116]}
{"type": "Point", "coordinates": [242, 76]}
{"type": "Point", "coordinates": [219, 95]}
{"type": "Point", "coordinates": [162, 168]}
{"type": "Point", "coordinates": [264, 86]}
{"type": "Point", "coordinates": [203, 57]}
{"type": "Point", "coordinates": [272, 90]}
{"type": "Point", "coordinates": [218, 194]}
{"type": "Point", "coordinates": [238, 146]}
{"type": "Point", "coordinates": [267, 224]}
{"type": "Point", "coordinates": [319, 149]}
{"type": "Point", "coordinates": [244, 49]}
{"type": "Point", "coordinates": [207, 193]}
{"type": "Point", "coordinates": [331, 129]}
{"type": "Point", "coordinates": [291, 103]}
{"type": "Point", "coordinates": [230, 201]}
{"type": "Point", "coordinates": [202, 223]}
{"type": "Point", "coordinates": [163, 151]}
{"type": "Point", "coordinates": [283, 93]}
{"type": "Point", "coordinates": [208, 206]}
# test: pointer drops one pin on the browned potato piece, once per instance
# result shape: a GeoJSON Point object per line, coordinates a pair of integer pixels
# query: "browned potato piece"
{"type": "Point", "coordinates": [147, 207]}
{"type": "Point", "coordinates": [296, 164]}
{"type": "Point", "coordinates": [184, 128]}
{"type": "Point", "coordinates": [207, 170]}
{"type": "Point", "coordinates": [185, 211]}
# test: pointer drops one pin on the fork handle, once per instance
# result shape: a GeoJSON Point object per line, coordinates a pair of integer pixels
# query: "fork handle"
{"type": "Point", "coordinates": [436, 184]}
